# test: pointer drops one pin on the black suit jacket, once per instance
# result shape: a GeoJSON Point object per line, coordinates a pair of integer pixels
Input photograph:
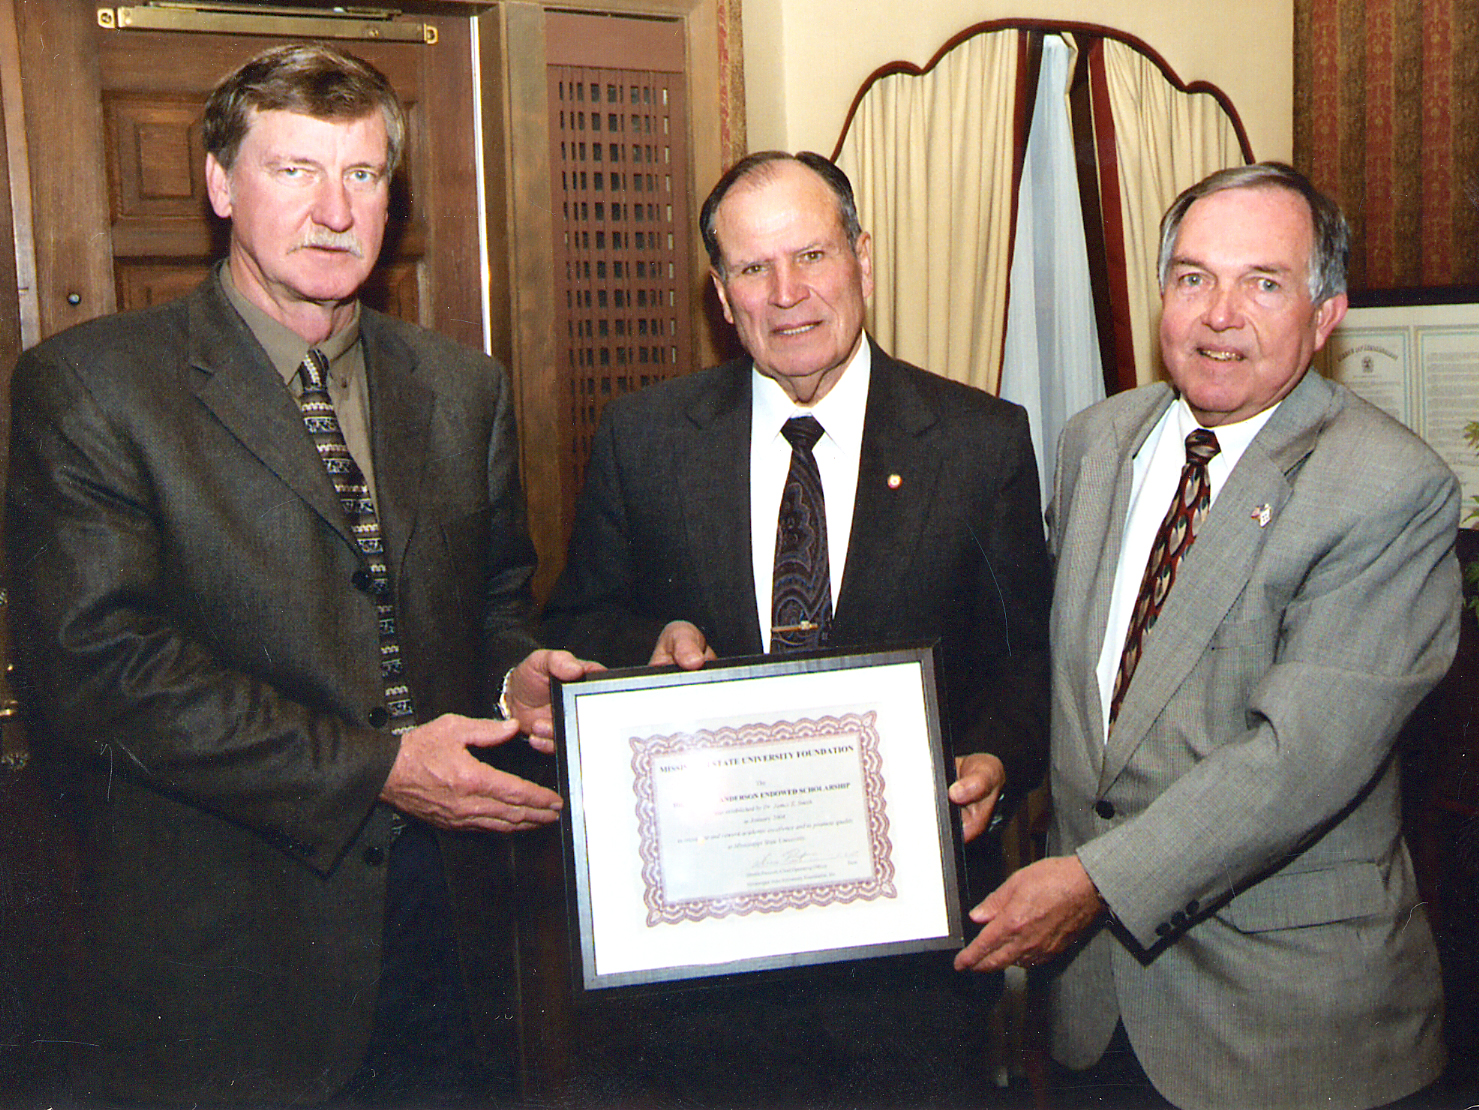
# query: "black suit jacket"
{"type": "Point", "coordinates": [198, 666]}
{"type": "Point", "coordinates": [953, 550]}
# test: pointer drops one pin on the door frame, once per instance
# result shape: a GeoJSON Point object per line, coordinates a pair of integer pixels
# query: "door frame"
{"type": "Point", "coordinates": [521, 265]}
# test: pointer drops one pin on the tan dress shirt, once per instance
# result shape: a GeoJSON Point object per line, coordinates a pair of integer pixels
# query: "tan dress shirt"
{"type": "Point", "coordinates": [347, 387]}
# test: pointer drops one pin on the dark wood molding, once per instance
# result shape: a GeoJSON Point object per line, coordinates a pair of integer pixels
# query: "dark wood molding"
{"type": "Point", "coordinates": [1048, 26]}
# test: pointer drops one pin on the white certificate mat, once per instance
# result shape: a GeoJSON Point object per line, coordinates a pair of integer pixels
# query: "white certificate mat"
{"type": "Point", "coordinates": [756, 815]}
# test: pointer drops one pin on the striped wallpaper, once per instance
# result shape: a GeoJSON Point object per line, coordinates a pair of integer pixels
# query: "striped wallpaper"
{"type": "Point", "coordinates": [1386, 120]}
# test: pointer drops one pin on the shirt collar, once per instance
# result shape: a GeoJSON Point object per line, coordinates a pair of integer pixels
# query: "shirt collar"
{"type": "Point", "coordinates": [285, 347]}
{"type": "Point", "coordinates": [840, 412]}
{"type": "Point", "coordinates": [1232, 439]}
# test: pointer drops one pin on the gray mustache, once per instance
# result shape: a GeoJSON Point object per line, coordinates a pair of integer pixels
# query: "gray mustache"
{"type": "Point", "coordinates": [333, 240]}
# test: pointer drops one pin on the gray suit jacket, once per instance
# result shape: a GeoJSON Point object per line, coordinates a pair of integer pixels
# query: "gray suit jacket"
{"type": "Point", "coordinates": [198, 665]}
{"type": "Point", "coordinates": [1243, 822]}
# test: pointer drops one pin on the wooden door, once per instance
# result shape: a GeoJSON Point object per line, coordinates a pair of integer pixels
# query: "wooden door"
{"type": "Point", "coordinates": [619, 171]}
{"type": "Point", "coordinates": [671, 52]}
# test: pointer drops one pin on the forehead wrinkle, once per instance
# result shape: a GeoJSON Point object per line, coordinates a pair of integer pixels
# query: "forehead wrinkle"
{"type": "Point", "coordinates": [279, 157]}
{"type": "Point", "coordinates": [1280, 268]}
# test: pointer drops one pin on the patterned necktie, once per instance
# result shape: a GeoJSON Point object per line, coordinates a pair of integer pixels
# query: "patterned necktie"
{"type": "Point", "coordinates": [364, 524]}
{"type": "Point", "coordinates": [801, 595]}
{"type": "Point", "coordinates": [1178, 531]}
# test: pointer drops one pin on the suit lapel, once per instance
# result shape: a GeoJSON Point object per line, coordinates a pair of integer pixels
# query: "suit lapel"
{"type": "Point", "coordinates": [400, 428]}
{"type": "Point", "coordinates": [239, 385]}
{"type": "Point", "coordinates": [1097, 505]}
{"type": "Point", "coordinates": [1216, 570]}
{"type": "Point", "coordinates": [888, 514]}
{"type": "Point", "coordinates": [713, 471]}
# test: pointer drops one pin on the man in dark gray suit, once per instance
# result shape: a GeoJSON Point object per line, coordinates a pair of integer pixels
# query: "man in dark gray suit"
{"type": "Point", "coordinates": [933, 531]}
{"type": "Point", "coordinates": [1229, 905]}
{"type": "Point", "coordinates": [268, 548]}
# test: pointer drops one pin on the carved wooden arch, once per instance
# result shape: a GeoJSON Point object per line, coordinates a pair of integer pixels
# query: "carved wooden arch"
{"type": "Point", "coordinates": [1099, 187]}
{"type": "Point", "coordinates": [1047, 26]}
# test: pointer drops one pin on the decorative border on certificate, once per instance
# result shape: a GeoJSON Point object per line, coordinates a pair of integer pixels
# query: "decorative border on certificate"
{"type": "Point", "coordinates": [809, 841]}
{"type": "Point", "coordinates": [758, 814]}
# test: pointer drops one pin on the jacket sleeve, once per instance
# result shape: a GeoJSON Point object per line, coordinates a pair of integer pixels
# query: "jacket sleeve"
{"type": "Point", "coordinates": [1004, 710]}
{"type": "Point", "coordinates": [508, 566]}
{"type": "Point", "coordinates": [1370, 625]}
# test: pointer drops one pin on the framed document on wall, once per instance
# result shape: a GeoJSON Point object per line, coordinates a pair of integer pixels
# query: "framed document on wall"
{"type": "Point", "coordinates": [757, 814]}
{"type": "Point", "coordinates": [1415, 355]}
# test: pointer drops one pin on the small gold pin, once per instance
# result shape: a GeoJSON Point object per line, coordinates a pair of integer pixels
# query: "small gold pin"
{"type": "Point", "coordinates": [1263, 514]}
{"type": "Point", "coordinates": [894, 481]}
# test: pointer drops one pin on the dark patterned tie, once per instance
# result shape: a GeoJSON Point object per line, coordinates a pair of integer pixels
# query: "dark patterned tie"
{"type": "Point", "coordinates": [1178, 531]}
{"type": "Point", "coordinates": [359, 507]}
{"type": "Point", "coordinates": [801, 596]}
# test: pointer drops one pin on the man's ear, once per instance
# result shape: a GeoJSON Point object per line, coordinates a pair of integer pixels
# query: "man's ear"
{"type": "Point", "coordinates": [864, 252]}
{"type": "Point", "coordinates": [1328, 317]}
{"type": "Point", "coordinates": [218, 187]}
{"type": "Point", "coordinates": [723, 295]}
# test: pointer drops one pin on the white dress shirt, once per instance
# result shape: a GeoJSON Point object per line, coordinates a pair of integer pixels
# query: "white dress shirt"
{"type": "Point", "coordinates": [1155, 476]}
{"type": "Point", "coordinates": [840, 414]}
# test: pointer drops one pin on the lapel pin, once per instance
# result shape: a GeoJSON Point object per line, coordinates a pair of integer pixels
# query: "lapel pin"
{"type": "Point", "coordinates": [1263, 514]}
{"type": "Point", "coordinates": [894, 481]}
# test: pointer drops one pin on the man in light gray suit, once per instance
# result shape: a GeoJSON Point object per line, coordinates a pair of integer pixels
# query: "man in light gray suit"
{"type": "Point", "coordinates": [1228, 907]}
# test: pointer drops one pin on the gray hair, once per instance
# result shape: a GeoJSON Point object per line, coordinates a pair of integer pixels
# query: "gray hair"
{"type": "Point", "coordinates": [762, 164]}
{"type": "Point", "coordinates": [307, 78]}
{"type": "Point", "coordinates": [1331, 251]}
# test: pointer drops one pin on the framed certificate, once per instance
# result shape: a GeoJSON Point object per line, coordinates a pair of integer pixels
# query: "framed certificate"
{"type": "Point", "coordinates": [1414, 353]}
{"type": "Point", "coordinates": [757, 814]}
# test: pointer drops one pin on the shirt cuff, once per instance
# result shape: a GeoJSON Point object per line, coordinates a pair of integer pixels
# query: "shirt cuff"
{"type": "Point", "coordinates": [505, 713]}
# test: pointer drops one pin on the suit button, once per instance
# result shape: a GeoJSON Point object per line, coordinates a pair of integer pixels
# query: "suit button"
{"type": "Point", "coordinates": [1178, 919]}
{"type": "Point", "coordinates": [374, 855]}
{"type": "Point", "coordinates": [1104, 808]}
{"type": "Point", "coordinates": [378, 716]}
{"type": "Point", "coordinates": [1192, 907]}
{"type": "Point", "coordinates": [360, 579]}
{"type": "Point", "coordinates": [1163, 930]}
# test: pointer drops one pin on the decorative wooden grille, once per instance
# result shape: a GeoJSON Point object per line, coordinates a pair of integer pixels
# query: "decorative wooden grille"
{"type": "Point", "coordinates": [623, 283]}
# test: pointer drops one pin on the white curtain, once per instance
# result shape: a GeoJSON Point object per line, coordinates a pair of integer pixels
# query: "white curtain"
{"type": "Point", "coordinates": [931, 159]}
{"type": "Point", "coordinates": [1164, 140]}
{"type": "Point", "coordinates": [931, 162]}
{"type": "Point", "coordinates": [1051, 365]}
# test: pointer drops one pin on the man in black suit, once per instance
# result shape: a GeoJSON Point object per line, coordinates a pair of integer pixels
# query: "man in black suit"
{"type": "Point", "coordinates": [249, 618]}
{"type": "Point", "coordinates": [933, 530]}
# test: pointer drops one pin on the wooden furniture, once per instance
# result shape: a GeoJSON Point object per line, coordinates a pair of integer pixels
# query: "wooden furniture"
{"type": "Point", "coordinates": [1440, 753]}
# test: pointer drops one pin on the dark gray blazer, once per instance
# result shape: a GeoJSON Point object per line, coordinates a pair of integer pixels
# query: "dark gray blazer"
{"type": "Point", "coordinates": [953, 550]}
{"type": "Point", "coordinates": [198, 665]}
{"type": "Point", "coordinates": [1243, 821]}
